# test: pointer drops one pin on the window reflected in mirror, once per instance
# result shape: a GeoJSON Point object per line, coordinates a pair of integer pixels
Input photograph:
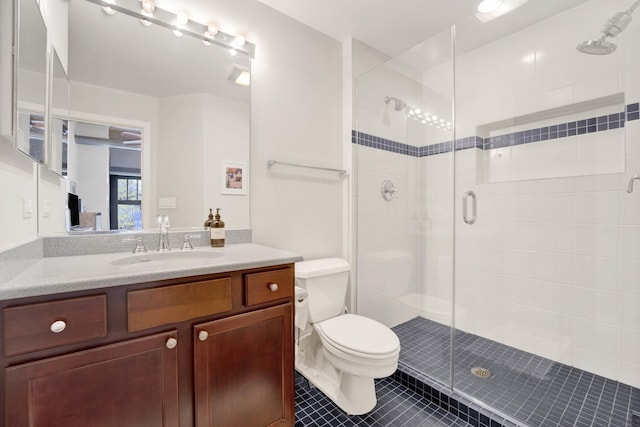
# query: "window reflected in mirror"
{"type": "Point", "coordinates": [104, 171]}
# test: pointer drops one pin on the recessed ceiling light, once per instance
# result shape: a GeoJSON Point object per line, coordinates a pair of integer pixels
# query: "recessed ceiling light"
{"type": "Point", "coordinates": [488, 10]}
{"type": "Point", "coordinates": [486, 6]}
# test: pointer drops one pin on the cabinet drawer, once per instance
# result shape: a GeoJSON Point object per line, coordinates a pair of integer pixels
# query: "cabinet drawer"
{"type": "Point", "coordinates": [259, 289]}
{"type": "Point", "coordinates": [149, 308]}
{"type": "Point", "coordinates": [51, 324]}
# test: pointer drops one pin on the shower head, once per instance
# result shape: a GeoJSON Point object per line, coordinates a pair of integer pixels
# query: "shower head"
{"type": "Point", "coordinates": [597, 47]}
{"type": "Point", "coordinates": [614, 26]}
{"type": "Point", "coordinates": [399, 104]}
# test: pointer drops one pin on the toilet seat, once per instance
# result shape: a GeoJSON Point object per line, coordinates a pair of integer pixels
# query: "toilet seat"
{"type": "Point", "coordinates": [359, 336]}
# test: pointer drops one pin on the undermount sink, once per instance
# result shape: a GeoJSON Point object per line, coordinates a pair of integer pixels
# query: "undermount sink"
{"type": "Point", "coordinates": [180, 256]}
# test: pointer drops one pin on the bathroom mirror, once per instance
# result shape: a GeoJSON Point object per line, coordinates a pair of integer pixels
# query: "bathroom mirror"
{"type": "Point", "coordinates": [58, 116]}
{"type": "Point", "coordinates": [31, 72]}
{"type": "Point", "coordinates": [191, 117]}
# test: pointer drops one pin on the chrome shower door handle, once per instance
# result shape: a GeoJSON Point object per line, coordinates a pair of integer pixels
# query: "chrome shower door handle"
{"type": "Point", "coordinates": [465, 210]}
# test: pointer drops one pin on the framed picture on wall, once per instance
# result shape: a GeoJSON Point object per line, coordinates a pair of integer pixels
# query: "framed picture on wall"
{"type": "Point", "coordinates": [234, 178]}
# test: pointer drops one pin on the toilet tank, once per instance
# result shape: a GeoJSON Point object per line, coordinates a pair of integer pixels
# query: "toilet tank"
{"type": "Point", "coordinates": [326, 282]}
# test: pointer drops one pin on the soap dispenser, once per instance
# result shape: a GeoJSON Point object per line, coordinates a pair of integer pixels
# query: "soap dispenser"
{"type": "Point", "coordinates": [217, 231]}
{"type": "Point", "coordinates": [209, 222]}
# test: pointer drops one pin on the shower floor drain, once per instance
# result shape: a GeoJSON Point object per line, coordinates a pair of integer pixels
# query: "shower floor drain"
{"type": "Point", "coordinates": [481, 372]}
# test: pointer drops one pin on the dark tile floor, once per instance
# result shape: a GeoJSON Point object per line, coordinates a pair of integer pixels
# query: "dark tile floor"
{"type": "Point", "coordinates": [397, 407]}
{"type": "Point", "coordinates": [532, 389]}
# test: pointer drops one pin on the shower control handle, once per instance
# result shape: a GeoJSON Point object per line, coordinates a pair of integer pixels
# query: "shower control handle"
{"type": "Point", "coordinates": [465, 210]}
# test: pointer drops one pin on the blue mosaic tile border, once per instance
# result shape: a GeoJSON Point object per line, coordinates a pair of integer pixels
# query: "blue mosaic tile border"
{"type": "Point", "coordinates": [457, 405]}
{"type": "Point", "coordinates": [561, 130]}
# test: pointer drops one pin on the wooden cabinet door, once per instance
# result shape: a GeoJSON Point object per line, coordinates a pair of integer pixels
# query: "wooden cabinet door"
{"type": "Point", "coordinates": [244, 370]}
{"type": "Point", "coordinates": [129, 384]}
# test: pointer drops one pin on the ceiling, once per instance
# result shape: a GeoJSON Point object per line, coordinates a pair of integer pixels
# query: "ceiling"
{"type": "Point", "coordinates": [393, 26]}
{"type": "Point", "coordinates": [136, 59]}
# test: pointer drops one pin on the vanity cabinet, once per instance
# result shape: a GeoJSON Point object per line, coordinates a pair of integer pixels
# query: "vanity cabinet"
{"type": "Point", "coordinates": [210, 350]}
{"type": "Point", "coordinates": [242, 369]}
{"type": "Point", "coordinates": [132, 383]}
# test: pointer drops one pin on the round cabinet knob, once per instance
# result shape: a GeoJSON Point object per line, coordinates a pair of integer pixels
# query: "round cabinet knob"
{"type": "Point", "coordinates": [273, 287]}
{"type": "Point", "coordinates": [203, 335]}
{"type": "Point", "coordinates": [172, 343]}
{"type": "Point", "coordinates": [58, 326]}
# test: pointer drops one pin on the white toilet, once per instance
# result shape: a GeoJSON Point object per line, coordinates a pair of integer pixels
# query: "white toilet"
{"type": "Point", "coordinates": [341, 353]}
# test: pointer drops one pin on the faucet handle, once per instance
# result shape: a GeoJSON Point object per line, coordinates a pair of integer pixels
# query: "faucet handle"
{"type": "Point", "coordinates": [140, 249]}
{"type": "Point", "coordinates": [186, 244]}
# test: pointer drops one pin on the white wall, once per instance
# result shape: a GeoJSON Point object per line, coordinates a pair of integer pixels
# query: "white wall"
{"type": "Point", "coordinates": [179, 155]}
{"type": "Point", "coordinates": [17, 183]}
{"type": "Point", "coordinates": [295, 117]}
{"type": "Point", "coordinates": [93, 180]}
{"type": "Point", "coordinates": [227, 138]}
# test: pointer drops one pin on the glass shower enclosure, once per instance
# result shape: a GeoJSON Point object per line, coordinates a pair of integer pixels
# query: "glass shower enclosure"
{"type": "Point", "coordinates": [495, 233]}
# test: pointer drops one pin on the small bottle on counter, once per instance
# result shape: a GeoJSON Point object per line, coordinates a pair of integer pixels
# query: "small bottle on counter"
{"type": "Point", "coordinates": [217, 231]}
{"type": "Point", "coordinates": [209, 222]}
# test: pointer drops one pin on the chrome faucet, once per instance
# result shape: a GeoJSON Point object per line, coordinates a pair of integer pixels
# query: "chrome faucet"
{"type": "Point", "coordinates": [162, 221]}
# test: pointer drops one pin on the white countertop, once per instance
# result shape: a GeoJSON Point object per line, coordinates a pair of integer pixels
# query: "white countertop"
{"type": "Point", "coordinates": [52, 275]}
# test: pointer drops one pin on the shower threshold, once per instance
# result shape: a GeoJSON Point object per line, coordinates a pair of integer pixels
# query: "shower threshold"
{"type": "Point", "coordinates": [531, 390]}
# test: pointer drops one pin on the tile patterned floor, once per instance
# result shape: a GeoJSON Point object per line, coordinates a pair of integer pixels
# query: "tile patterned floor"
{"type": "Point", "coordinates": [397, 407]}
{"type": "Point", "coordinates": [532, 389]}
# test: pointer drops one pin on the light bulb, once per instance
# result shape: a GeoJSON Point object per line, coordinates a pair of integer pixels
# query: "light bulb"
{"type": "Point", "coordinates": [212, 30]}
{"type": "Point", "coordinates": [239, 41]}
{"type": "Point", "coordinates": [148, 6]}
{"type": "Point", "coordinates": [177, 33]}
{"type": "Point", "coordinates": [182, 19]}
{"type": "Point", "coordinates": [434, 117]}
{"type": "Point", "coordinates": [107, 9]}
{"type": "Point", "coordinates": [418, 111]}
{"type": "Point", "coordinates": [487, 6]}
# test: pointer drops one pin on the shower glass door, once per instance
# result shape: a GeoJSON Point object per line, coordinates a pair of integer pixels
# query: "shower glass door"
{"type": "Point", "coordinates": [544, 305]}
{"type": "Point", "coordinates": [404, 197]}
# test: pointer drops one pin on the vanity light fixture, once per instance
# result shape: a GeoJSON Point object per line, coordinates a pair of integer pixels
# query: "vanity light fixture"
{"type": "Point", "coordinates": [148, 13]}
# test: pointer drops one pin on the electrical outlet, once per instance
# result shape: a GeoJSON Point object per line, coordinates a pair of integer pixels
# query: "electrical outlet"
{"type": "Point", "coordinates": [27, 208]}
{"type": "Point", "coordinates": [166, 203]}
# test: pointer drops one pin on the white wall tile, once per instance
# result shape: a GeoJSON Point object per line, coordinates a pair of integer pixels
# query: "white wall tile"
{"type": "Point", "coordinates": [598, 273]}
{"type": "Point", "coordinates": [597, 240]}
{"type": "Point", "coordinates": [596, 337]}
{"type": "Point", "coordinates": [630, 277]}
{"type": "Point", "coordinates": [630, 312]}
{"type": "Point", "coordinates": [596, 305]}
{"type": "Point", "coordinates": [630, 242]}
